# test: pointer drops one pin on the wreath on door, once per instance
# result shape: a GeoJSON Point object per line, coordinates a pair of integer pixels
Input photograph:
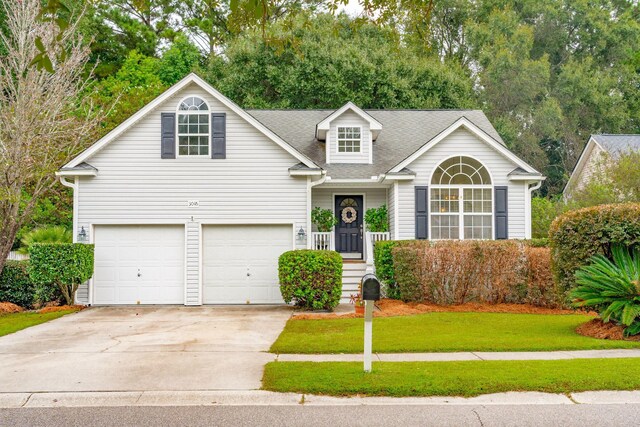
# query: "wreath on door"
{"type": "Point", "coordinates": [349, 215]}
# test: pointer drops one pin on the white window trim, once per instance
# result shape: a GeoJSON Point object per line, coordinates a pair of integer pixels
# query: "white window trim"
{"type": "Point", "coordinates": [338, 140]}
{"type": "Point", "coordinates": [461, 212]}
{"type": "Point", "coordinates": [193, 112]}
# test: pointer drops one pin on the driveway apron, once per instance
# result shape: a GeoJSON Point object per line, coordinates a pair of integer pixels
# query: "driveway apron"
{"type": "Point", "coordinates": [143, 348]}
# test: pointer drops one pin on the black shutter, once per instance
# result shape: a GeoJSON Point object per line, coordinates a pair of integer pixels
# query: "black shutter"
{"type": "Point", "coordinates": [218, 135]}
{"type": "Point", "coordinates": [502, 212]}
{"type": "Point", "coordinates": [168, 135]}
{"type": "Point", "coordinates": [422, 212]}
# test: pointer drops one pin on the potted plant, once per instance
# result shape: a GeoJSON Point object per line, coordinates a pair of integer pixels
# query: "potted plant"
{"type": "Point", "coordinates": [377, 219]}
{"type": "Point", "coordinates": [324, 220]}
{"type": "Point", "coordinates": [357, 300]}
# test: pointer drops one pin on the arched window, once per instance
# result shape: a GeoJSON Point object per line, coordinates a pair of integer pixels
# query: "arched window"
{"type": "Point", "coordinates": [461, 200]}
{"type": "Point", "coordinates": [193, 127]}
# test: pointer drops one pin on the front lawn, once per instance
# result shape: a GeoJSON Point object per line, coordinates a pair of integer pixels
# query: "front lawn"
{"type": "Point", "coordinates": [13, 322]}
{"type": "Point", "coordinates": [452, 378]}
{"type": "Point", "coordinates": [443, 332]}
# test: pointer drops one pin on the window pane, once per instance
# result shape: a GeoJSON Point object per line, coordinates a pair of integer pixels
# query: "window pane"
{"type": "Point", "coordinates": [182, 151]}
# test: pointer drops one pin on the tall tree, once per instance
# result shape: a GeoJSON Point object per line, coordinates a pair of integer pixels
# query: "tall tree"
{"type": "Point", "coordinates": [42, 121]}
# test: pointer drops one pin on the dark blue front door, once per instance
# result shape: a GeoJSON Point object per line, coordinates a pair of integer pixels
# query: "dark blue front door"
{"type": "Point", "coordinates": [349, 211]}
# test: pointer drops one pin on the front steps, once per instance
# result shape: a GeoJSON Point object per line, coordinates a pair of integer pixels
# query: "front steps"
{"type": "Point", "coordinates": [352, 272]}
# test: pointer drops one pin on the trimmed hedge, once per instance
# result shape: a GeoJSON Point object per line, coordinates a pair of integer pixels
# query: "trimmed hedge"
{"type": "Point", "coordinates": [65, 265]}
{"type": "Point", "coordinates": [15, 285]}
{"type": "Point", "coordinates": [578, 235]}
{"type": "Point", "coordinates": [383, 260]}
{"type": "Point", "coordinates": [456, 272]}
{"type": "Point", "coordinates": [311, 279]}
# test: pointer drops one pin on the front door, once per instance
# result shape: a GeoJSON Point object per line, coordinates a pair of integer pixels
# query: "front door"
{"type": "Point", "coordinates": [349, 211]}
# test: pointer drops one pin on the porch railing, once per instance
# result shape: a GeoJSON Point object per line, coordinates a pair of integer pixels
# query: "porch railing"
{"type": "Point", "coordinates": [370, 240]}
{"type": "Point", "coordinates": [15, 256]}
{"type": "Point", "coordinates": [322, 241]}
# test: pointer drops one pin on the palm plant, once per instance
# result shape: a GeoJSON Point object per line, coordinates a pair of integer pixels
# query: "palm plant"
{"type": "Point", "coordinates": [56, 234]}
{"type": "Point", "coordinates": [613, 286]}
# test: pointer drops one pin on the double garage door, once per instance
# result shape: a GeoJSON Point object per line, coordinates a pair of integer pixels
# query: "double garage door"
{"type": "Point", "coordinates": [146, 264]}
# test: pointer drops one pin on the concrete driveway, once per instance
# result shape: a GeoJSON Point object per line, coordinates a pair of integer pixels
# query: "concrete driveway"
{"type": "Point", "coordinates": [143, 348]}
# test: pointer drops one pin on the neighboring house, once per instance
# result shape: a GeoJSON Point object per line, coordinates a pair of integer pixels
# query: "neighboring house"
{"type": "Point", "coordinates": [192, 199]}
{"type": "Point", "coordinates": [597, 154]}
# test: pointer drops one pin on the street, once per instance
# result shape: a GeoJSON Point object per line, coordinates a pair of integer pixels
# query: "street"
{"type": "Point", "coordinates": [300, 415]}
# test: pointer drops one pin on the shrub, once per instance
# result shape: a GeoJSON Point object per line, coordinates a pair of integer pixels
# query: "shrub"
{"type": "Point", "coordinates": [543, 212]}
{"type": "Point", "coordinates": [542, 242]}
{"type": "Point", "coordinates": [324, 219]}
{"type": "Point", "coordinates": [56, 234]}
{"type": "Point", "coordinates": [15, 285]}
{"type": "Point", "coordinates": [377, 219]}
{"type": "Point", "coordinates": [456, 272]}
{"type": "Point", "coordinates": [65, 265]}
{"type": "Point", "coordinates": [383, 260]}
{"type": "Point", "coordinates": [612, 286]}
{"type": "Point", "coordinates": [312, 279]}
{"type": "Point", "coordinates": [578, 235]}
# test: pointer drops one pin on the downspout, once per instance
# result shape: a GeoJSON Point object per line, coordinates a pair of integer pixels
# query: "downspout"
{"type": "Point", "coordinates": [310, 186]}
{"type": "Point", "coordinates": [74, 187]}
{"type": "Point", "coordinates": [531, 189]}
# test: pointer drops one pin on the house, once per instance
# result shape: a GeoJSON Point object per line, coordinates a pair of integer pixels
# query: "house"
{"type": "Point", "coordinates": [192, 199]}
{"type": "Point", "coordinates": [600, 149]}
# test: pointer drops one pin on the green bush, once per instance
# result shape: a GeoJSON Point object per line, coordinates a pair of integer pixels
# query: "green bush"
{"type": "Point", "coordinates": [312, 279]}
{"type": "Point", "coordinates": [576, 236]}
{"type": "Point", "coordinates": [55, 234]}
{"type": "Point", "coordinates": [377, 219]}
{"type": "Point", "coordinates": [65, 265]}
{"type": "Point", "coordinates": [613, 287]}
{"type": "Point", "coordinates": [541, 242]}
{"type": "Point", "coordinates": [543, 212]}
{"type": "Point", "coordinates": [323, 219]}
{"type": "Point", "coordinates": [15, 285]}
{"type": "Point", "coordinates": [383, 260]}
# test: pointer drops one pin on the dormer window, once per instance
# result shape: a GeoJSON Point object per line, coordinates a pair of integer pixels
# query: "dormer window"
{"type": "Point", "coordinates": [193, 127]}
{"type": "Point", "coordinates": [349, 139]}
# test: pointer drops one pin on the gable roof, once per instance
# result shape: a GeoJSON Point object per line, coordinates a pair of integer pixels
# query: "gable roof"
{"type": "Point", "coordinates": [618, 144]}
{"type": "Point", "coordinates": [191, 78]}
{"type": "Point", "coordinates": [405, 132]}
{"type": "Point", "coordinates": [374, 125]}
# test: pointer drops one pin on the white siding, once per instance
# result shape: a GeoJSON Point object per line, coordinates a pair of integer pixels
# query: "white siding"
{"type": "Point", "coordinates": [462, 143]}
{"type": "Point", "coordinates": [391, 204]}
{"type": "Point", "coordinates": [324, 197]}
{"type": "Point", "coordinates": [349, 118]}
{"type": "Point", "coordinates": [135, 186]}
{"type": "Point", "coordinates": [593, 162]}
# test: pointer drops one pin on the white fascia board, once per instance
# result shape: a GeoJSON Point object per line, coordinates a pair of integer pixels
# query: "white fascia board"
{"type": "Point", "coordinates": [77, 173]}
{"type": "Point", "coordinates": [399, 177]}
{"type": "Point", "coordinates": [533, 178]}
{"type": "Point", "coordinates": [191, 78]}
{"type": "Point", "coordinates": [588, 148]}
{"type": "Point", "coordinates": [373, 179]}
{"type": "Point", "coordinates": [464, 122]}
{"type": "Point", "coordinates": [305, 173]}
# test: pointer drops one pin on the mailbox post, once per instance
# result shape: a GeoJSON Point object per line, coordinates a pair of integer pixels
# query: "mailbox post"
{"type": "Point", "coordinates": [370, 294]}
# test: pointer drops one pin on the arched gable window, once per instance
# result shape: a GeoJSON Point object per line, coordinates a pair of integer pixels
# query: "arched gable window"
{"type": "Point", "coordinates": [461, 200]}
{"type": "Point", "coordinates": [193, 127]}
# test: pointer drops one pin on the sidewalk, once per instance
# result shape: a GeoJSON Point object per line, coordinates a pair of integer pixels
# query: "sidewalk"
{"type": "Point", "coordinates": [450, 357]}
{"type": "Point", "coordinates": [266, 398]}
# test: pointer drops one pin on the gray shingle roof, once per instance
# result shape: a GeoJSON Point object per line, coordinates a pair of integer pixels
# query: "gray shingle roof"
{"type": "Point", "coordinates": [617, 144]}
{"type": "Point", "coordinates": [81, 167]}
{"type": "Point", "coordinates": [403, 133]}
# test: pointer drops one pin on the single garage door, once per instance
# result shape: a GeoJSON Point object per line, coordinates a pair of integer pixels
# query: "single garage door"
{"type": "Point", "coordinates": [240, 263]}
{"type": "Point", "coordinates": [139, 264]}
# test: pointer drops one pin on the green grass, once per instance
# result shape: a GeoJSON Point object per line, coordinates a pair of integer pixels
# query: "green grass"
{"type": "Point", "coordinates": [443, 332]}
{"type": "Point", "coordinates": [13, 322]}
{"type": "Point", "coordinates": [452, 378]}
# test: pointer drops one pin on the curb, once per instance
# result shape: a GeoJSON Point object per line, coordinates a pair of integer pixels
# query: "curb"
{"type": "Point", "coordinates": [266, 398]}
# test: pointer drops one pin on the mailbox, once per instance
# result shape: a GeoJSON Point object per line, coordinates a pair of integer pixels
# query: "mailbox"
{"type": "Point", "coordinates": [370, 288]}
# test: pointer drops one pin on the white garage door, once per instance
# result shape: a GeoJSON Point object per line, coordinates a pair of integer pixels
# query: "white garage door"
{"type": "Point", "coordinates": [139, 264]}
{"type": "Point", "coordinates": [240, 263]}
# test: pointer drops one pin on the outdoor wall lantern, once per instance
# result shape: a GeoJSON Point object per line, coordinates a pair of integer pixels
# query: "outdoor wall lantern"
{"type": "Point", "coordinates": [301, 235]}
{"type": "Point", "coordinates": [82, 235]}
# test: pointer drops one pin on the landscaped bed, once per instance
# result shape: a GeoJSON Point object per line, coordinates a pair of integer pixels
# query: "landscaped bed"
{"type": "Point", "coordinates": [13, 319]}
{"type": "Point", "coordinates": [470, 378]}
{"type": "Point", "coordinates": [444, 332]}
